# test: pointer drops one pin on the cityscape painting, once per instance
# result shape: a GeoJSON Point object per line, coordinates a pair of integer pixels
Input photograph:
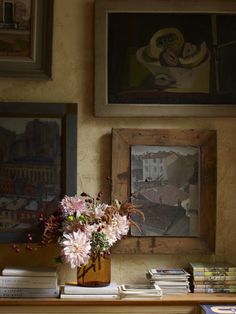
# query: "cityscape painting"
{"type": "Point", "coordinates": [30, 164]}
{"type": "Point", "coordinates": [37, 165]}
{"type": "Point", "coordinates": [165, 186]}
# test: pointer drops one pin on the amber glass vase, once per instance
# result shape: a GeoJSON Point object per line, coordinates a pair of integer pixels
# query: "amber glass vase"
{"type": "Point", "coordinates": [97, 273]}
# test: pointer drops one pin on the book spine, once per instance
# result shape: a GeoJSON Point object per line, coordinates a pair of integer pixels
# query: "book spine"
{"type": "Point", "coordinates": [89, 296]}
{"type": "Point", "coordinates": [90, 293]}
{"type": "Point", "coordinates": [223, 286]}
{"type": "Point", "coordinates": [214, 278]}
{"type": "Point", "coordinates": [28, 293]}
{"type": "Point", "coordinates": [211, 290]}
{"type": "Point", "coordinates": [28, 282]}
{"type": "Point", "coordinates": [24, 273]}
{"type": "Point", "coordinates": [213, 269]}
{"type": "Point", "coordinates": [215, 282]}
{"type": "Point", "coordinates": [214, 273]}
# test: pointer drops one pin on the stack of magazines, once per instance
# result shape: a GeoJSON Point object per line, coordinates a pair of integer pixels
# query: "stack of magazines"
{"type": "Point", "coordinates": [29, 282]}
{"type": "Point", "coordinates": [135, 291]}
{"type": "Point", "coordinates": [171, 281]}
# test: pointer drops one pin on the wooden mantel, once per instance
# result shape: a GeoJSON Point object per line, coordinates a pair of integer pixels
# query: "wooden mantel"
{"type": "Point", "coordinates": [190, 299]}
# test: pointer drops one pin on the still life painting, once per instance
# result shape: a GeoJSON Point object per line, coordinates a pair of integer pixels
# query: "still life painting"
{"type": "Point", "coordinates": [171, 58]}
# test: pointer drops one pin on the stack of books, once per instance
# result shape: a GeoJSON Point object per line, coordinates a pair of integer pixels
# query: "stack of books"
{"type": "Point", "coordinates": [213, 278]}
{"type": "Point", "coordinates": [73, 291]}
{"type": "Point", "coordinates": [171, 280]}
{"type": "Point", "coordinates": [137, 291]}
{"type": "Point", "coordinates": [29, 282]}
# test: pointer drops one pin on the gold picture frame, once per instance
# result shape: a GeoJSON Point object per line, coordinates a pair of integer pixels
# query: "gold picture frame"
{"type": "Point", "coordinates": [131, 81]}
{"type": "Point", "coordinates": [205, 141]}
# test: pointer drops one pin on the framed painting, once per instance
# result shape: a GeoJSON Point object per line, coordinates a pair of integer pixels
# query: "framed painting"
{"type": "Point", "coordinates": [38, 149]}
{"type": "Point", "coordinates": [26, 38]}
{"type": "Point", "coordinates": [171, 176]}
{"type": "Point", "coordinates": [153, 58]}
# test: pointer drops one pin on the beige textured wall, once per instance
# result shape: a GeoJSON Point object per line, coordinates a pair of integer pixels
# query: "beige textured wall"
{"type": "Point", "coordinates": [73, 82]}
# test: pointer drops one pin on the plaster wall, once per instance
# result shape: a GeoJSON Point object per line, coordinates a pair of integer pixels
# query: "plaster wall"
{"type": "Point", "coordinates": [73, 82]}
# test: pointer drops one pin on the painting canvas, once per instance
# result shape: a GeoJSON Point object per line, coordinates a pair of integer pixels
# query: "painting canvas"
{"type": "Point", "coordinates": [34, 155]}
{"type": "Point", "coordinates": [165, 186]}
{"type": "Point", "coordinates": [26, 38]}
{"type": "Point", "coordinates": [16, 28]}
{"type": "Point", "coordinates": [171, 58]}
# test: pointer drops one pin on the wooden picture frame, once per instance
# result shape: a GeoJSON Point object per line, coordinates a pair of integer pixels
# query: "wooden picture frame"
{"type": "Point", "coordinates": [26, 39]}
{"type": "Point", "coordinates": [205, 141]}
{"type": "Point", "coordinates": [38, 161]}
{"type": "Point", "coordinates": [192, 76]}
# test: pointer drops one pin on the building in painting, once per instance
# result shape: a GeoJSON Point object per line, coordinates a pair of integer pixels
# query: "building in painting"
{"type": "Point", "coordinates": [15, 14]}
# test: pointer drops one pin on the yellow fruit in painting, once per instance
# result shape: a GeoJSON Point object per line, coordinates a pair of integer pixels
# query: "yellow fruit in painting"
{"type": "Point", "coordinates": [163, 39]}
{"type": "Point", "coordinates": [195, 59]}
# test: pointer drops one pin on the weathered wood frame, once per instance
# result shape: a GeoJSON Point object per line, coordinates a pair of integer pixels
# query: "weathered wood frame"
{"type": "Point", "coordinates": [206, 141]}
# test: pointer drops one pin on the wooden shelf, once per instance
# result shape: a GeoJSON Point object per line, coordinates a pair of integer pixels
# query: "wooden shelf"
{"type": "Point", "coordinates": [190, 299]}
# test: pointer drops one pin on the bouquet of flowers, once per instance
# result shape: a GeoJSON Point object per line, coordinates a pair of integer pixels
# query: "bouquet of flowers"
{"type": "Point", "coordinates": [87, 228]}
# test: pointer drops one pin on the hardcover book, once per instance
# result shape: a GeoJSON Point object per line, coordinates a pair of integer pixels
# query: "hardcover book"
{"type": "Point", "coordinates": [214, 290]}
{"type": "Point", "coordinates": [73, 288]}
{"type": "Point", "coordinates": [215, 282]}
{"type": "Point", "coordinates": [29, 271]}
{"type": "Point", "coordinates": [222, 309]}
{"type": "Point", "coordinates": [212, 267]}
{"type": "Point", "coordinates": [89, 296]}
{"type": "Point", "coordinates": [27, 282]}
{"type": "Point", "coordinates": [214, 278]}
{"type": "Point", "coordinates": [29, 293]}
{"type": "Point", "coordinates": [214, 273]}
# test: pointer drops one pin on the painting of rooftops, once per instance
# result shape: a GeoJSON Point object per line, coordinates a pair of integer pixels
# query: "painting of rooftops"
{"type": "Point", "coordinates": [30, 164]}
{"type": "Point", "coordinates": [165, 186]}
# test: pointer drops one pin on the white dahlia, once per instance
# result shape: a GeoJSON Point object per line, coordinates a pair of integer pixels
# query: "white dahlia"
{"type": "Point", "coordinates": [76, 248]}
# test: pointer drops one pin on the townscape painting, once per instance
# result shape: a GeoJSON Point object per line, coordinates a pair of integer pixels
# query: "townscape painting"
{"type": "Point", "coordinates": [165, 186]}
{"type": "Point", "coordinates": [170, 174]}
{"type": "Point", "coordinates": [16, 23]}
{"type": "Point", "coordinates": [32, 168]}
{"type": "Point", "coordinates": [26, 38]}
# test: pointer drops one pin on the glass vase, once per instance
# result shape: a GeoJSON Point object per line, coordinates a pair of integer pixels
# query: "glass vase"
{"type": "Point", "coordinates": [97, 273]}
